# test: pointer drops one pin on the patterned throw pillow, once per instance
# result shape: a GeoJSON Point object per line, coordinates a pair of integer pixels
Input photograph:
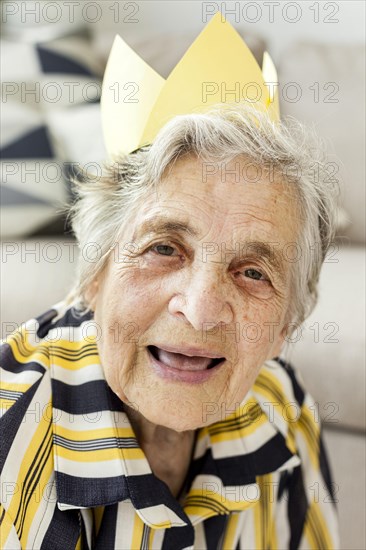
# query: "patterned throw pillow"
{"type": "Point", "coordinates": [40, 79]}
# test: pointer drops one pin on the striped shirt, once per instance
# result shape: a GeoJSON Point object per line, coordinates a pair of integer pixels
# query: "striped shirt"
{"type": "Point", "coordinates": [74, 476]}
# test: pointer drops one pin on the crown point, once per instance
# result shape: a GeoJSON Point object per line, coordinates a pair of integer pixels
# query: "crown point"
{"type": "Point", "coordinates": [218, 68]}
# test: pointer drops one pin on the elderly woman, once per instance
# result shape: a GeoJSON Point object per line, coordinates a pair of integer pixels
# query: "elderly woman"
{"type": "Point", "coordinates": [151, 408]}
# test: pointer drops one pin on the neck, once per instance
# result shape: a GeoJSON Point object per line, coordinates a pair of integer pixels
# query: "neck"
{"type": "Point", "coordinates": [168, 452]}
{"type": "Point", "coordinates": [148, 433]}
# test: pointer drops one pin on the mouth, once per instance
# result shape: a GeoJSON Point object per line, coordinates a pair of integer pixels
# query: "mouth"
{"type": "Point", "coordinates": [177, 367]}
{"type": "Point", "coordinates": [183, 362]}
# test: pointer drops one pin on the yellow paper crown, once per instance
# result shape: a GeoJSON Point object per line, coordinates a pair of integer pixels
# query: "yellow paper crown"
{"type": "Point", "coordinates": [217, 68]}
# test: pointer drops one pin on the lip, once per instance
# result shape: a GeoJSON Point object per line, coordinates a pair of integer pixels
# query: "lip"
{"type": "Point", "coordinates": [190, 351]}
{"type": "Point", "coordinates": [191, 377]}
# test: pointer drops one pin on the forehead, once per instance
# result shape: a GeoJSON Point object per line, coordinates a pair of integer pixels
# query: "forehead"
{"type": "Point", "coordinates": [235, 199]}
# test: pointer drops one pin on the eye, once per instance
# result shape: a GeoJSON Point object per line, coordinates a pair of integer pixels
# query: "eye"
{"type": "Point", "coordinates": [254, 274]}
{"type": "Point", "coordinates": [163, 249]}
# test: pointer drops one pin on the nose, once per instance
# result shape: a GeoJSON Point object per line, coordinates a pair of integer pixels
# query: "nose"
{"type": "Point", "coordinates": [203, 299]}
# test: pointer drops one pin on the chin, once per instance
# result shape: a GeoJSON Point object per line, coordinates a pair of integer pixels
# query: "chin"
{"type": "Point", "coordinates": [180, 422]}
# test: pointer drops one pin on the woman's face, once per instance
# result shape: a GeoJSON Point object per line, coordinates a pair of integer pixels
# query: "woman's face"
{"type": "Point", "coordinates": [216, 278]}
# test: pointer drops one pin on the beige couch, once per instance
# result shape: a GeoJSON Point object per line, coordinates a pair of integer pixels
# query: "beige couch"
{"type": "Point", "coordinates": [331, 350]}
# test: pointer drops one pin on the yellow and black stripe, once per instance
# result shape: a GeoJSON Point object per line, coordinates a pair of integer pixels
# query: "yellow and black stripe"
{"type": "Point", "coordinates": [74, 476]}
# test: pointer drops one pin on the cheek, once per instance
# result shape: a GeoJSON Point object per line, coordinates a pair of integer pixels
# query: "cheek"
{"type": "Point", "coordinates": [259, 328]}
{"type": "Point", "coordinates": [134, 292]}
{"type": "Point", "coordinates": [125, 299]}
{"type": "Point", "coordinates": [126, 307]}
{"type": "Point", "coordinates": [118, 350]}
{"type": "Point", "coordinates": [260, 312]}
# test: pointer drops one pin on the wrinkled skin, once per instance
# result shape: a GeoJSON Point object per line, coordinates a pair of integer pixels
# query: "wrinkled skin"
{"type": "Point", "coordinates": [166, 288]}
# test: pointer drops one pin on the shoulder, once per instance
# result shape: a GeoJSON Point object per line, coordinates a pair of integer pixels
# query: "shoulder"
{"type": "Point", "coordinates": [27, 450]}
{"type": "Point", "coordinates": [26, 391]}
{"type": "Point", "coordinates": [25, 354]}
{"type": "Point", "coordinates": [293, 411]}
{"type": "Point", "coordinates": [281, 381]}
{"type": "Point", "coordinates": [280, 390]}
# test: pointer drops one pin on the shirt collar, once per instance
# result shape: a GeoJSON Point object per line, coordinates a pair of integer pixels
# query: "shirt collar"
{"type": "Point", "coordinates": [98, 461]}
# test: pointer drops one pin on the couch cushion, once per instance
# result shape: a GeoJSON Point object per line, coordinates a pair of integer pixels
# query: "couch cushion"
{"type": "Point", "coordinates": [39, 78]}
{"type": "Point", "coordinates": [35, 274]}
{"type": "Point", "coordinates": [347, 455]}
{"type": "Point", "coordinates": [331, 89]}
{"type": "Point", "coordinates": [330, 351]}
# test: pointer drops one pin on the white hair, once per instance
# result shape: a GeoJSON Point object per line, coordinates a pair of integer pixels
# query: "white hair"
{"type": "Point", "coordinates": [104, 206]}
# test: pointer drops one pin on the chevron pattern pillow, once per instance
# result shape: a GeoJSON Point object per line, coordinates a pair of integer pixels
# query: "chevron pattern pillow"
{"type": "Point", "coordinates": [39, 80]}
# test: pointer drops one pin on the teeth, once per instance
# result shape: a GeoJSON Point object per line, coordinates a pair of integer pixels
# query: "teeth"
{"type": "Point", "coordinates": [184, 362]}
{"type": "Point", "coordinates": [181, 361]}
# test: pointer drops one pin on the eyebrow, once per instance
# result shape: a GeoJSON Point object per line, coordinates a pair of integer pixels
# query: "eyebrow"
{"type": "Point", "coordinates": [163, 225]}
{"type": "Point", "coordinates": [160, 225]}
